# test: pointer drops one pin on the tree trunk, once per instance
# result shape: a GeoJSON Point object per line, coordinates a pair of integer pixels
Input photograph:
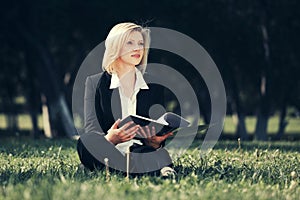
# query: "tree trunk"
{"type": "Point", "coordinates": [237, 108]}
{"type": "Point", "coordinates": [263, 114]}
{"type": "Point", "coordinates": [241, 131]}
{"type": "Point", "coordinates": [261, 127]}
{"type": "Point", "coordinates": [264, 107]}
{"type": "Point", "coordinates": [60, 116]}
{"type": "Point", "coordinates": [32, 95]}
{"type": "Point", "coordinates": [12, 116]}
{"type": "Point", "coordinates": [282, 122]}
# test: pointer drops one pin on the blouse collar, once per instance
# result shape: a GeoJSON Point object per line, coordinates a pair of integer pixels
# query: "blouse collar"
{"type": "Point", "coordinates": [139, 84]}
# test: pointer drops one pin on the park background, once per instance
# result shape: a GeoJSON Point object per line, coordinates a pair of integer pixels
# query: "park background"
{"type": "Point", "coordinates": [255, 45]}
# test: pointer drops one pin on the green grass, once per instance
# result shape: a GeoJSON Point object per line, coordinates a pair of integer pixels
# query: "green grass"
{"type": "Point", "coordinates": [49, 169]}
{"type": "Point", "coordinates": [292, 127]}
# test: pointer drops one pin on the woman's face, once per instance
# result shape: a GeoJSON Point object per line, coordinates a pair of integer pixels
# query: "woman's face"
{"type": "Point", "coordinates": [133, 49]}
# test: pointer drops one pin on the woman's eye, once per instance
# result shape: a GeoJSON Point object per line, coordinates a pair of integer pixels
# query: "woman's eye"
{"type": "Point", "coordinates": [129, 42]}
{"type": "Point", "coordinates": [141, 44]}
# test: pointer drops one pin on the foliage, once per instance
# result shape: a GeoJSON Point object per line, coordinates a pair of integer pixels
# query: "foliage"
{"type": "Point", "coordinates": [49, 169]}
{"type": "Point", "coordinates": [46, 41]}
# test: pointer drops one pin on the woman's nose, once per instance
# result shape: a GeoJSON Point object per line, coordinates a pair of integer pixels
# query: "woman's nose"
{"type": "Point", "coordinates": [137, 47]}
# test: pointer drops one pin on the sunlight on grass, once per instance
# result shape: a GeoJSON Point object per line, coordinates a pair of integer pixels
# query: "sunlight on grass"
{"type": "Point", "coordinates": [273, 123]}
{"type": "Point", "coordinates": [294, 125]}
{"type": "Point", "coordinates": [3, 124]}
{"type": "Point", "coordinates": [229, 126]}
{"type": "Point", "coordinates": [20, 100]}
{"type": "Point", "coordinates": [250, 124]}
{"type": "Point", "coordinates": [24, 123]}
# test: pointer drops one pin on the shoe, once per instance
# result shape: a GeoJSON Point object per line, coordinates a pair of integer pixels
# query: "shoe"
{"type": "Point", "coordinates": [167, 172]}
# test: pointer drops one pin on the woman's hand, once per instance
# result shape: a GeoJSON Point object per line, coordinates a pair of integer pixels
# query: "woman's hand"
{"type": "Point", "coordinates": [150, 138]}
{"type": "Point", "coordinates": [125, 133]}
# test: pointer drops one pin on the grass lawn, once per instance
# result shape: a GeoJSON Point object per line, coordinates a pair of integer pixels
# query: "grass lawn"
{"type": "Point", "coordinates": [49, 169]}
{"type": "Point", "coordinates": [292, 127]}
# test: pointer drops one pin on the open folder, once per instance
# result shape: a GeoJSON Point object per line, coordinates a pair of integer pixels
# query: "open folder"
{"type": "Point", "coordinates": [168, 122]}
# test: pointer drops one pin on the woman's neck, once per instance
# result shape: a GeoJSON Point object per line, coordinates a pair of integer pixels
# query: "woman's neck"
{"type": "Point", "coordinates": [123, 69]}
{"type": "Point", "coordinates": [126, 74]}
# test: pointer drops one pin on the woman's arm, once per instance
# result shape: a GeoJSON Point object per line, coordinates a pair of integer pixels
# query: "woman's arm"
{"type": "Point", "coordinates": [91, 123]}
{"type": "Point", "coordinates": [115, 135]}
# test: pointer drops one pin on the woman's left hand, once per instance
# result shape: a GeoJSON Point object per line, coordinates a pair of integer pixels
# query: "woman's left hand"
{"type": "Point", "coordinates": [150, 137]}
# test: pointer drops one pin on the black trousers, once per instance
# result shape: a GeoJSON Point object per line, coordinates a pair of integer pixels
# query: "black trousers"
{"type": "Point", "coordinates": [94, 148]}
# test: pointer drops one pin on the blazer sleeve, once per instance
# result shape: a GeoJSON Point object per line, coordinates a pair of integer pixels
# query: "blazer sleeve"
{"type": "Point", "coordinates": [91, 123]}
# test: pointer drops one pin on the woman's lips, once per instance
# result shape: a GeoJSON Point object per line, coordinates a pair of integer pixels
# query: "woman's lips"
{"type": "Point", "coordinates": [136, 55]}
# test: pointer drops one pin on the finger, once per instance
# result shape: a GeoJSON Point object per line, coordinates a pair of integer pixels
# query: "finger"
{"type": "Point", "coordinates": [167, 135]}
{"type": "Point", "coordinates": [133, 129]}
{"type": "Point", "coordinates": [127, 133]}
{"type": "Point", "coordinates": [125, 126]}
{"type": "Point", "coordinates": [164, 137]}
{"type": "Point", "coordinates": [148, 132]}
{"type": "Point", "coordinates": [138, 134]}
{"type": "Point", "coordinates": [127, 137]}
{"type": "Point", "coordinates": [116, 124]}
{"type": "Point", "coordinates": [153, 131]}
{"type": "Point", "coordinates": [131, 137]}
{"type": "Point", "coordinates": [143, 133]}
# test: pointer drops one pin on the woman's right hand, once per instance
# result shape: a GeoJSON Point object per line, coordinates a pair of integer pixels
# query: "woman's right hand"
{"type": "Point", "coordinates": [125, 133]}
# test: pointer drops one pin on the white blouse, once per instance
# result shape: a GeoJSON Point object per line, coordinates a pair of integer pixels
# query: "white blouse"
{"type": "Point", "coordinates": [128, 104]}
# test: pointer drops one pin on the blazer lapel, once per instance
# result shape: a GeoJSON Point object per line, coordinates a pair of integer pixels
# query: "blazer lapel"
{"type": "Point", "coordinates": [108, 100]}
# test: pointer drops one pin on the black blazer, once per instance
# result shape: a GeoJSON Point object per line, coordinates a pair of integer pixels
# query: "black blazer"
{"type": "Point", "coordinates": [102, 106]}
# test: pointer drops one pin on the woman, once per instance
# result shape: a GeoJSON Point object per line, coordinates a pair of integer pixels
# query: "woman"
{"type": "Point", "coordinates": [119, 91]}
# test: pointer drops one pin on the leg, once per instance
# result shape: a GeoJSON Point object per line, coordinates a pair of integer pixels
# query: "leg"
{"type": "Point", "coordinates": [93, 148]}
{"type": "Point", "coordinates": [147, 159]}
{"type": "Point", "coordinates": [87, 159]}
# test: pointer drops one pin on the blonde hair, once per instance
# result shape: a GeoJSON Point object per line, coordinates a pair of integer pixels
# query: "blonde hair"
{"type": "Point", "coordinates": [116, 39]}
